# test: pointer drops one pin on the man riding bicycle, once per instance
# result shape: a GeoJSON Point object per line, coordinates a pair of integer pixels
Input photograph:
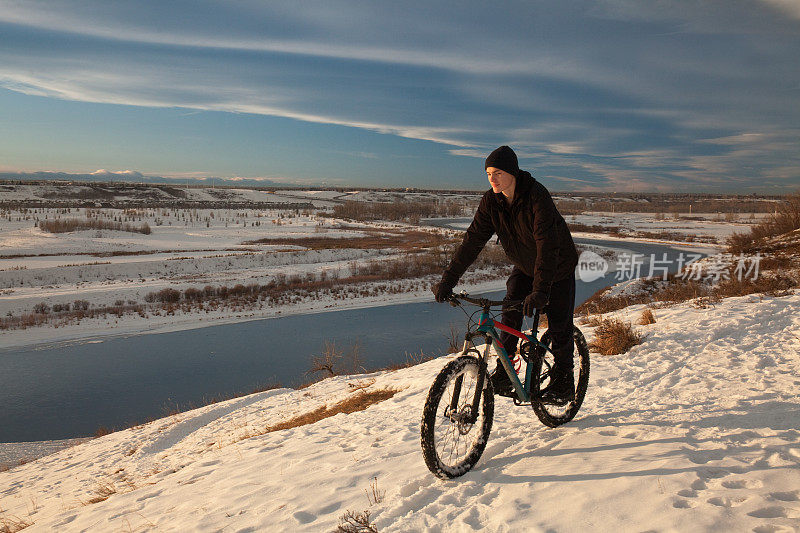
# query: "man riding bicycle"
{"type": "Point", "coordinates": [537, 241]}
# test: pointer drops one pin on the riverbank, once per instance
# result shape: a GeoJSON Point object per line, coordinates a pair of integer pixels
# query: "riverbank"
{"type": "Point", "coordinates": [89, 330]}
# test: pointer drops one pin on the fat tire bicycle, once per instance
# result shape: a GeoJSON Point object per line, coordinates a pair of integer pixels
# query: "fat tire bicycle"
{"type": "Point", "coordinates": [459, 409]}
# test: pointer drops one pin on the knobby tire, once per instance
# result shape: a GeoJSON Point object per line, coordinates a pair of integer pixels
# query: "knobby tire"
{"type": "Point", "coordinates": [443, 439]}
{"type": "Point", "coordinates": [554, 416]}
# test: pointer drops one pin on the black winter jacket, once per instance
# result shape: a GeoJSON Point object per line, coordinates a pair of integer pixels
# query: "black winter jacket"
{"type": "Point", "coordinates": [532, 231]}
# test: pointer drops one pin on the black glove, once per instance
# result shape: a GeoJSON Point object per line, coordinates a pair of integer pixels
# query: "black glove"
{"type": "Point", "coordinates": [535, 300]}
{"type": "Point", "coordinates": [442, 291]}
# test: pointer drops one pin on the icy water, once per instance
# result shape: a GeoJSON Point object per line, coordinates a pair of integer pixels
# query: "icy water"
{"type": "Point", "coordinates": [64, 391]}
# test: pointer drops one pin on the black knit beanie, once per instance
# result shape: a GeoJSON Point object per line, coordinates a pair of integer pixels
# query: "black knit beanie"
{"type": "Point", "coordinates": [505, 159]}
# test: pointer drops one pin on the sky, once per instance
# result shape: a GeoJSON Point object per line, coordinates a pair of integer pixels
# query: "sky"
{"type": "Point", "coordinates": [609, 95]}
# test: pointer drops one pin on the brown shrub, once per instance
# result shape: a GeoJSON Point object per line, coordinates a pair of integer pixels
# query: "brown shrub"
{"type": "Point", "coordinates": [680, 290]}
{"type": "Point", "coordinates": [75, 224]}
{"type": "Point", "coordinates": [600, 302]}
{"type": "Point", "coordinates": [776, 262]}
{"type": "Point", "coordinates": [785, 219]}
{"type": "Point", "coordinates": [777, 285]}
{"type": "Point", "coordinates": [332, 361]}
{"type": "Point", "coordinates": [193, 294]}
{"type": "Point", "coordinates": [353, 522]}
{"type": "Point", "coordinates": [613, 337]}
{"type": "Point", "coordinates": [164, 295]}
{"type": "Point", "coordinates": [647, 318]}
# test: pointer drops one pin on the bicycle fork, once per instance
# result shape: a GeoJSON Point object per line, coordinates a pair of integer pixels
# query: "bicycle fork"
{"type": "Point", "coordinates": [479, 385]}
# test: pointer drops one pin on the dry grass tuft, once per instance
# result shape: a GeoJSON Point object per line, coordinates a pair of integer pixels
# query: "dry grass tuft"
{"type": "Point", "coordinates": [352, 522]}
{"type": "Point", "coordinates": [102, 492]}
{"type": "Point", "coordinates": [357, 402]}
{"type": "Point", "coordinates": [613, 337]}
{"type": "Point", "coordinates": [12, 524]}
{"type": "Point", "coordinates": [374, 494]}
{"type": "Point", "coordinates": [593, 321]}
{"type": "Point", "coordinates": [647, 318]}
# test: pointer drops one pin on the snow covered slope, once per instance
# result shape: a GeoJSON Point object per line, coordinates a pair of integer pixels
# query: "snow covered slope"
{"type": "Point", "coordinates": [694, 430]}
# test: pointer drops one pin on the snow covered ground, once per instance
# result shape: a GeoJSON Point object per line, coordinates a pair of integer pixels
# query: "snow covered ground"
{"type": "Point", "coordinates": [696, 429]}
{"type": "Point", "coordinates": [186, 248]}
{"type": "Point", "coordinates": [138, 193]}
{"type": "Point", "coordinates": [709, 226]}
{"type": "Point", "coordinates": [199, 247]}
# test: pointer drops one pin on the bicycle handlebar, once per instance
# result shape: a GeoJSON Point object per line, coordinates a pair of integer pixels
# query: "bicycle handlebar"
{"type": "Point", "coordinates": [483, 302]}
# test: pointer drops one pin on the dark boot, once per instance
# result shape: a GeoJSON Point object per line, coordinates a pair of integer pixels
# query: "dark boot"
{"type": "Point", "coordinates": [501, 383]}
{"type": "Point", "coordinates": [561, 389]}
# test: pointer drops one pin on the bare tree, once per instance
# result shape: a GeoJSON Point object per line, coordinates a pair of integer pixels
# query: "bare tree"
{"type": "Point", "coordinates": [328, 361]}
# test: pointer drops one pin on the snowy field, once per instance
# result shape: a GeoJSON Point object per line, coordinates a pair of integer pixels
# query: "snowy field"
{"type": "Point", "coordinates": [712, 227]}
{"type": "Point", "coordinates": [186, 248]}
{"type": "Point", "coordinates": [147, 193]}
{"type": "Point", "coordinates": [193, 248]}
{"type": "Point", "coordinates": [696, 429]}
{"type": "Point", "coordinates": [135, 193]}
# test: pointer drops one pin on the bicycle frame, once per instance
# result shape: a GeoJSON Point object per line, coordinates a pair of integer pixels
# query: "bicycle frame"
{"type": "Point", "coordinates": [488, 326]}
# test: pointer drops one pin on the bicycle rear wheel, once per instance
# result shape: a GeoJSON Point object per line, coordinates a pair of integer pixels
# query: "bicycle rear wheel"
{"type": "Point", "coordinates": [451, 443]}
{"type": "Point", "coordinates": [553, 415]}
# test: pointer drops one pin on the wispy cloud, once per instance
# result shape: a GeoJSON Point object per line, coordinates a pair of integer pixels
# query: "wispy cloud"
{"type": "Point", "coordinates": [602, 91]}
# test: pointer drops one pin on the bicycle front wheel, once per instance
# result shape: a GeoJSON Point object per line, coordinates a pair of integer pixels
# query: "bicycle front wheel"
{"type": "Point", "coordinates": [452, 438]}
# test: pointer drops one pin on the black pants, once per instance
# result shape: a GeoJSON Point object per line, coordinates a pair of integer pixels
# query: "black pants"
{"type": "Point", "coordinates": [559, 313]}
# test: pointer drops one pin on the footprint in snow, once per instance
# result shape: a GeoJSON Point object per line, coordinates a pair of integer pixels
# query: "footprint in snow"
{"type": "Point", "coordinates": [773, 512]}
{"type": "Point", "coordinates": [790, 496]}
{"type": "Point", "coordinates": [704, 456]}
{"type": "Point", "coordinates": [743, 484]}
{"type": "Point", "coordinates": [713, 473]}
{"type": "Point", "coordinates": [699, 484]}
{"type": "Point", "coordinates": [304, 517]}
{"type": "Point", "coordinates": [771, 528]}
